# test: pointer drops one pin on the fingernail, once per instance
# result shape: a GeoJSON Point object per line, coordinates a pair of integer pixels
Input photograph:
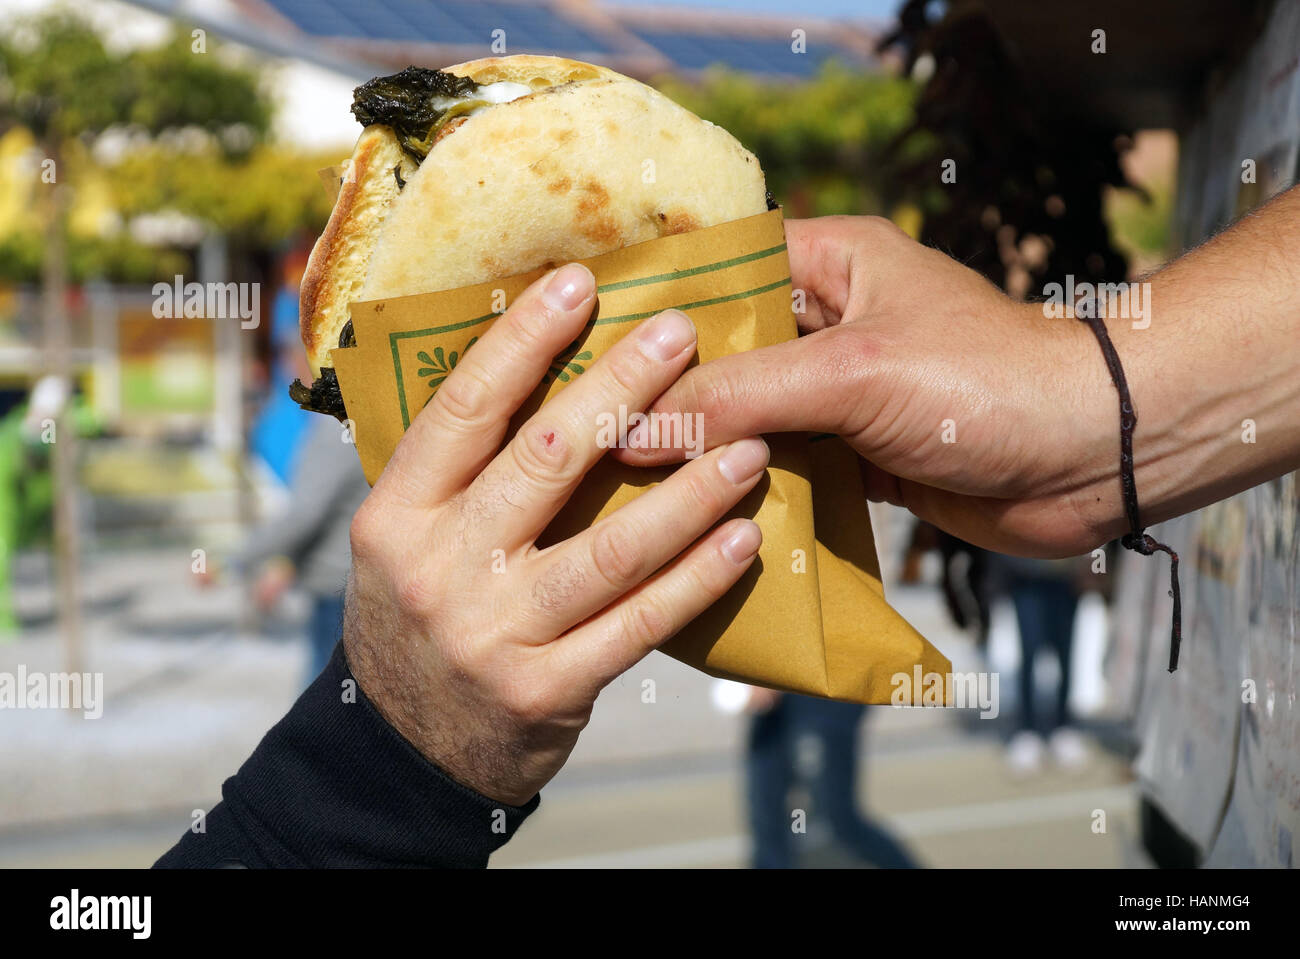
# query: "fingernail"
{"type": "Point", "coordinates": [743, 459]}
{"type": "Point", "coordinates": [666, 335]}
{"type": "Point", "coordinates": [639, 438]}
{"type": "Point", "coordinates": [743, 543]}
{"type": "Point", "coordinates": [568, 287]}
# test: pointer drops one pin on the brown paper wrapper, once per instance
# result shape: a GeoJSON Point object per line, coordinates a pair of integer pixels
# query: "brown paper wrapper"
{"type": "Point", "coordinates": [810, 615]}
{"type": "Point", "coordinates": [332, 179]}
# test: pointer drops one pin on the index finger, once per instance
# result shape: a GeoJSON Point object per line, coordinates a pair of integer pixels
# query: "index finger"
{"type": "Point", "coordinates": [461, 428]}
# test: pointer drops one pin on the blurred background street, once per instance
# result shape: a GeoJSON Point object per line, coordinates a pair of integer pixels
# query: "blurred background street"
{"type": "Point", "coordinates": [155, 524]}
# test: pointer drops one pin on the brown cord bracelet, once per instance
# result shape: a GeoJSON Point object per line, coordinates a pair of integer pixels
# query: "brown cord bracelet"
{"type": "Point", "coordinates": [1137, 538]}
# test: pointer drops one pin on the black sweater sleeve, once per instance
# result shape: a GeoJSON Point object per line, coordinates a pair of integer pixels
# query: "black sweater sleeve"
{"type": "Point", "coordinates": [333, 784]}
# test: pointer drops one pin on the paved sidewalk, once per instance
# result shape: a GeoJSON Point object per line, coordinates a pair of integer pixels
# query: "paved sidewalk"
{"type": "Point", "coordinates": [190, 690]}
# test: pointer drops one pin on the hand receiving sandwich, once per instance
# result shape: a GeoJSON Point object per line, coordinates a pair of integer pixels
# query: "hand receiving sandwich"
{"type": "Point", "coordinates": [1001, 426]}
{"type": "Point", "coordinates": [901, 342]}
{"type": "Point", "coordinates": [485, 652]}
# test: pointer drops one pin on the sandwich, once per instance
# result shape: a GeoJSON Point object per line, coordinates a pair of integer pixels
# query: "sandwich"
{"type": "Point", "coordinates": [500, 166]}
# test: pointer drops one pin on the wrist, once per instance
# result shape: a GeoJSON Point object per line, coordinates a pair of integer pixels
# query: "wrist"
{"type": "Point", "coordinates": [1164, 404]}
{"type": "Point", "coordinates": [403, 692]}
{"type": "Point", "coordinates": [1217, 414]}
{"type": "Point", "coordinates": [334, 784]}
{"type": "Point", "coordinates": [1199, 413]}
{"type": "Point", "coordinates": [1069, 406]}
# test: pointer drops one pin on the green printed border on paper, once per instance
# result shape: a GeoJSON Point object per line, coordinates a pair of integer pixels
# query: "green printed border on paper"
{"type": "Point", "coordinates": [395, 338]}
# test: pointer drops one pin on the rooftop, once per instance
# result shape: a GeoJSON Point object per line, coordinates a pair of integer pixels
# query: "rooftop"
{"type": "Point", "coordinates": [639, 41]}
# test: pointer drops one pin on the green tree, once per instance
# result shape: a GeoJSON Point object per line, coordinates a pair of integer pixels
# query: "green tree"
{"type": "Point", "coordinates": [61, 82]}
{"type": "Point", "coordinates": [58, 79]}
{"type": "Point", "coordinates": [257, 199]}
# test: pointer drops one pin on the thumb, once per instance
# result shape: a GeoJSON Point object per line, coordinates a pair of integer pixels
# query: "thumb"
{"type": "Point", "coordinates": [814, 383]}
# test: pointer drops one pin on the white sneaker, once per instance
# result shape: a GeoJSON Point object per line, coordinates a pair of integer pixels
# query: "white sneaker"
{"type": "Point", "coordinates": [1069, 749]}
{"type": "Point", "coordinates": [1025, 753]}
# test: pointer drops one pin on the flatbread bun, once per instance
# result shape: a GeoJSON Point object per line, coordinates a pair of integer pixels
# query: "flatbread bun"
{"type": "Point", "coordinates": [589, 162]}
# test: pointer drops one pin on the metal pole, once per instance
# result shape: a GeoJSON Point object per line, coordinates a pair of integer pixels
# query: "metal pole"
{"type": "Point", "coordinates": [58, 361]}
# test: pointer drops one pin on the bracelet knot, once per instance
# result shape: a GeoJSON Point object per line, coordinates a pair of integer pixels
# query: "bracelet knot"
{"type": "Point", "coordinates": [1138, 540]}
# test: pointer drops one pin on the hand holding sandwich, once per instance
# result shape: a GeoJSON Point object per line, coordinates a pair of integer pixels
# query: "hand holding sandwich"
{"type": "Point", "coordinates": [485, 652]}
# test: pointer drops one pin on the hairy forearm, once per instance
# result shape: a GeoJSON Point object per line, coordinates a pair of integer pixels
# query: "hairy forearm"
{"type": "Point", "coordinates": [1215, 377]}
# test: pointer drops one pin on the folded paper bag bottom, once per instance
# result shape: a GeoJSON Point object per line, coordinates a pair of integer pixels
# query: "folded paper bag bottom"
{"type": "Point", "coordinates": [810, 616]}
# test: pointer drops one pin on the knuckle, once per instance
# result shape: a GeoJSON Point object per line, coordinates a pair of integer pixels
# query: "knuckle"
{"type": "Point", "coordinates": [543, 457]}
{"type": "Point", "coordinates": [626, 371]}
{"type": "Point", "coordinates": [464, 396]}
{"type": "Point", "coordinates": [366, 530]}
{"type": "Point", "coordinates": [705, 579]}
{"type": "Point", "coordinates": [702, 494]}
{"type": "Point", "coordinates": [878, 228]}
{"type": "Point", "coordinates": [854, 354]}
{"type": "Point", "coordinates": [616, 554]}
{"type": "Point", "coordinates": [413, 590]}
{"type": "Point", "coordinates": [531, 321]}
{"type": "Point", "coordinates": [528, 702]}
{"type": "Point", "coordinates": [710, 579]}
{"type": "Point", "coordinates": [646, 624]}
{"type": "Point", "coordinates": [712, 395]}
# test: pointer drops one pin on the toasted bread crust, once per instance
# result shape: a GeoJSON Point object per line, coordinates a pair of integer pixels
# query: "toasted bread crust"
{"type": "Point", "coordinates": [368, 189]}
{"type": "Point", "coordinates": [535, 71]}
{"type": "Point", "coordinates": [338, 261]}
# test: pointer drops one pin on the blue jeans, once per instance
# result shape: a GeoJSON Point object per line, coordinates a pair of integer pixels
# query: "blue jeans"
{"type": "Point", "coordinates": [324, 628]}
{"type": "Point", "coordinates": [1045, 611]}
{"type": "Point", "coordinates": [770, 774]}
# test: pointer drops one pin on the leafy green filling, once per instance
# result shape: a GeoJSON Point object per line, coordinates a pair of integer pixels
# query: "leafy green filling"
{"type": "Point", "coordinates": [323, 396]}
{"type": "Point", "coordinates": [413, 103]}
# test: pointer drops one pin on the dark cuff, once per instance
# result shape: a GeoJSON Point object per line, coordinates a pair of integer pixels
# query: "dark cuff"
{"type": "Point", "coordinates": [333, 784]}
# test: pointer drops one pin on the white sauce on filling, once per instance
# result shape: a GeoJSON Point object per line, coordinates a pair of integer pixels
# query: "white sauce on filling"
{"type": "Point", "coordinates": [501, 92]}
{"type": "Point", "coordinates": [504, 91]}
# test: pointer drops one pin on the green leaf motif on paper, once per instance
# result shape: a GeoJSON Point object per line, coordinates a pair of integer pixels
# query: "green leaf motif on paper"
{"type": "Point", "coordinates": [575, 364]}
{"type": "Point", "coordinates": [439, 366]}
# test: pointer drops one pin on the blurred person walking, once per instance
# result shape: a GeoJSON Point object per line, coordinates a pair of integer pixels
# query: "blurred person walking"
{"type": "Point", "coordinates": [1045, 594]}
{"type": "Point", "coordinates": [307, 544]}
{"type": "Point", "coordinates": [281, 427]}
{"type": "Point", "coordinates": [780, 723]}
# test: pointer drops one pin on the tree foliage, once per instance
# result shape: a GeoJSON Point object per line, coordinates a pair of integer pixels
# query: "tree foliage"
{"type": "Point", "coordinates": [177, 107]}
{"type": "Point", "coordinates": [58, 79]}
{"type": "Point", "coordinates": [259, 200]}
{"type": "Point", "coordinates": [118, 258]}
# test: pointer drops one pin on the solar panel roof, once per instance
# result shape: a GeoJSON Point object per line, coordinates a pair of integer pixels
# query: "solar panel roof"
{"type": "Point", "coordinates": [695, 51]}
{"type": "Point", "coordinates": [462, 22]}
